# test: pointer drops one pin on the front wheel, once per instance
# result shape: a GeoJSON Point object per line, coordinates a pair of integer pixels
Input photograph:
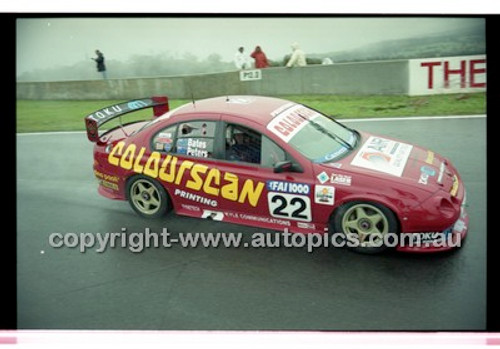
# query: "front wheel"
{"type": "Point", "coordinates": [147, 197]}
{"type": "Point", "coordinates": [365, 225]}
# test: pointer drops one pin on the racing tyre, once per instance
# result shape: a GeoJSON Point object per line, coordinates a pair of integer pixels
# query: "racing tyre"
{"type": "Point", "coordinates": [365, 226]}
{"type": "Point", "coordinates": [147, 197]}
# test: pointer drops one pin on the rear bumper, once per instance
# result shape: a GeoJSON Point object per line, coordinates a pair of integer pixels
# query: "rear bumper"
{"type": "Point", "coordinates": [109, 193]}
{"type": "Point", "coordinates": [111, 185]}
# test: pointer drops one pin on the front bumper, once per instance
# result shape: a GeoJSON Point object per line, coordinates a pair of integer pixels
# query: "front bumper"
{"type": "Point", "coordinates": [445, 240]}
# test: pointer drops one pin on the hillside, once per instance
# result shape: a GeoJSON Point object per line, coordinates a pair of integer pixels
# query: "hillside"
{"type": "Point", "coordinates": [468, 42]}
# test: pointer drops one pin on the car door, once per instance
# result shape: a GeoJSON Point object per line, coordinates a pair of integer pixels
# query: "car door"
{"type": "Point", "coordinates": [265, 198]}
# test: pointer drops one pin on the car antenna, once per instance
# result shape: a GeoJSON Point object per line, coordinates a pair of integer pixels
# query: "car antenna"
{"type": "Point", "coordinates": [121, 126]}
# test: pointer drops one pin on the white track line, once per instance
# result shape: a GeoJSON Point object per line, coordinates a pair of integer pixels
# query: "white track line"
{"type": "Point", "coordinates": [50, 133]}
{"type": "Point", "coordinates": [411, 118]}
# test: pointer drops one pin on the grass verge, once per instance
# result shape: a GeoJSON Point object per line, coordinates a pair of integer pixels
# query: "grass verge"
{"type": "Point", "coordinates": [68, 115]}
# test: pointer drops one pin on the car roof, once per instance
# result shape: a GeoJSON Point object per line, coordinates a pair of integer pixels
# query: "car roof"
{"type": "Point", "coordinates": [256, 108]}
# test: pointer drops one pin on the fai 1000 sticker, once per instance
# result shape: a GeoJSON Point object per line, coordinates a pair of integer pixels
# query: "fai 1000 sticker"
{"type": "Point", "coordinates": [289, 200]}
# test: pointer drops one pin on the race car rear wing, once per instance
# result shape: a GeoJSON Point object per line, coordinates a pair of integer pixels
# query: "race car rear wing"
{"type": "Point", "coordinates": [102, 116]}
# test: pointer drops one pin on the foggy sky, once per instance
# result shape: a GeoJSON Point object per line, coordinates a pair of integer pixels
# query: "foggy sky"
{"type": "Point", "coordinates": [50, 42]}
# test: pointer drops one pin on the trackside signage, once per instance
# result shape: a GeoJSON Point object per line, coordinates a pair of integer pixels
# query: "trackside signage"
{"type": "Point", "coordinates": [464, 74]}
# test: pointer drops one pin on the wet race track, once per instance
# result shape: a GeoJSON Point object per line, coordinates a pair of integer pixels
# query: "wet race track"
{"type": "Point", "coordinates": [235, 288]}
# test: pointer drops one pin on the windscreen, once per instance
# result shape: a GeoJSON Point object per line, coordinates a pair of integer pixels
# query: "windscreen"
{"type": "Point", "coordinates": [315, 135]}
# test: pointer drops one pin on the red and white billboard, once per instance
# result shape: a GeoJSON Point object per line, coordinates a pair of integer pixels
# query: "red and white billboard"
{"type": "Point", "coordinates": [464, 74]}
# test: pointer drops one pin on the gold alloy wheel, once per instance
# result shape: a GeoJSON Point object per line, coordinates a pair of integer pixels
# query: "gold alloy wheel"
{"type": "Point", "coordinates": [145, 197]}
{"type": "Point", "coordinates": [368, 223]}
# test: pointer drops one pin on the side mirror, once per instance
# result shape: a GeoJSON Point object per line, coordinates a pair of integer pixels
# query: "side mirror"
{"type": "Point", "coordinates": [286, 166]}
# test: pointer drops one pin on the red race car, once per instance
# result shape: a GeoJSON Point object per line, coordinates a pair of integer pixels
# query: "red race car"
{"type": "Point", "coordinates": [276, 164]}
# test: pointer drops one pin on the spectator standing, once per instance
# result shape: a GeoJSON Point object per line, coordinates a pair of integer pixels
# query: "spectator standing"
{"type": "Point", "coordinates": [101, 67]}
{"type": "Point", "coordinates": [298, 58]}
{"type": "Point", "coordinates": [241, 60]}
{"type": "Point", "coordinates": [260, 58]}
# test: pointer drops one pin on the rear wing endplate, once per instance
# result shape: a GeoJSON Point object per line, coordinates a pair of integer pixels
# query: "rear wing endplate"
{"type": "Point", "coordinates": [102, 116]}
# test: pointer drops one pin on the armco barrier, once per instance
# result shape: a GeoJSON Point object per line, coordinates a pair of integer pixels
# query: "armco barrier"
{"type": "Point", "coordinates": [403, 77]}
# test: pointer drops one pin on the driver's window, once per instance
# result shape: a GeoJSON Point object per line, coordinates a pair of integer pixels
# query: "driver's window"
{"type": "Point", "coordinates": [246, 145]}
{"type": "Point", "coordinates": [242, 144]}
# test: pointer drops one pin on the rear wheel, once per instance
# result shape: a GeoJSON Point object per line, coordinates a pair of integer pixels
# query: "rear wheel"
{"type": "Point", "coordinates": [365, 225]}
{"type": "Point", "coordinates": [147, 197]}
